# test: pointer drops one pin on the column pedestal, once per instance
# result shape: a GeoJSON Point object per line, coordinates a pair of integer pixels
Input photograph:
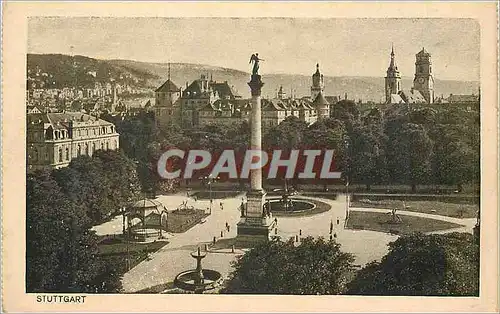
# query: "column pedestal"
{"type": "Point", "coordinates": [258, 224]}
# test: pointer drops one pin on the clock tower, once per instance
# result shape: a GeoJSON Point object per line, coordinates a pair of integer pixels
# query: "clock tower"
{"type": "Point", "coordinates": [424, 81]}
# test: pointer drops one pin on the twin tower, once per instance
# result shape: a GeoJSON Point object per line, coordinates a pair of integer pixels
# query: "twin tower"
{"type": "Point", "coordinates": [423, 81]}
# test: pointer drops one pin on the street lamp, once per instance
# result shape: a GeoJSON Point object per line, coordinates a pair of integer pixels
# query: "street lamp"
{"type": "Point", "coordinates": [346, 143]}
{"type": "Point", "coordinates": [166, 220]}
{"type": "Point", "coordinates": [209, 180]}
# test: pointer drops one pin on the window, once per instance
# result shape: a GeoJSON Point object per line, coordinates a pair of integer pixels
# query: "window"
{"type": "Point", "coordinates": [78, 150]}
{"type": "Point", "coordinates": [60, 155]}
{"type": "Point", "coordinates": [67, 153]}
{"type": "Point", "coordinates": [102, 145]}
{"type": "Point", "coordinates": [87, 149]}
{"type": "Point", "coordinates": [107, 145]}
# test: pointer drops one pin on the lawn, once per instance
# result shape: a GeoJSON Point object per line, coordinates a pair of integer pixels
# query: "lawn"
{"type": "Point", "coordinates": [381, 222]}
{"type": "Point", "coordinates": [115, 251]}
{"type": "Point", "coordinates": [428, 207]}
{"type": "Point", "coordinates": [205, 195]}
{"type": "Point", "coordinates": [184, 219]}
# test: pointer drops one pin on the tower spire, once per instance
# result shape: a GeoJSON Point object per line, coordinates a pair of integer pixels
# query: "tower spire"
{"type": "Point", "coordinates": [393, 59]}
{"type": "Point", "coordinates": [169, 71]}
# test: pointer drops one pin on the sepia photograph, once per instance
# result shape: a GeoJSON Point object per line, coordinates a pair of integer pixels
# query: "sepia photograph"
{"type": "Point", "coordinates": [255, 155]}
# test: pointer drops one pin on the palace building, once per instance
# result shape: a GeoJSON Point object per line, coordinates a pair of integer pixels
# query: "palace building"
{"type": "Point", "coordinates": [206, 101]}
{"type": "Point", "coordinates": [54, 139]}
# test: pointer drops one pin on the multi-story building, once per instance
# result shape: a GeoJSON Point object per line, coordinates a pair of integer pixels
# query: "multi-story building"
{"type": "Point", "coordinates": [167, 103]}
{"type": "Point", "coordinates": [54, 139]}
{"type": "Point", "coordinates": [185, 107]}
{"type": "Point", "coordinates": [424, 80]}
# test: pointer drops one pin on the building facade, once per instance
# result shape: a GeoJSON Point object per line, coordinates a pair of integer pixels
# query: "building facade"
{"type": "Point", "coordinates": [392, 80]}
{"type": "Point", "coordinates": [54, 139]}
{"type": "Point", "coordinates": [424, 80]}
{"type": "Point", "coordinates": [184, 107]}
{"type": "Point", "coordinates": [167, 103]}
{"type": "Point", "coordinates": [318, 83]}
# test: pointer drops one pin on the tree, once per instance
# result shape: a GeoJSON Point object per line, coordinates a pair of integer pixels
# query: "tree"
{"type": "Point", "coordinates": [103, 183]}
{"type": "Point", "coordinates": [410, 152]}
{"type": "Point", "coordinates": [60, 251]}
{"type": "Point", "coordinates": [368, 155]}
{"type": "Point", "coordinates": [84, 183]}
{"type": "Point", "coordinates": [275, 267]}
{"type": "Point", "coordinates": [287, 135]}
{"type": "Point", "coordinates": [121, 173]}
{"type": "Point", "coordinates": [426, 265]}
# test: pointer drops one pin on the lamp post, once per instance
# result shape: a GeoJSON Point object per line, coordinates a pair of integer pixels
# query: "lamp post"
{"type": "Point", "coordinates": [166, 220]}
{"type": "Point", "coordinates": [209, 180]}
{"type": "Point", "coordinates": [347, 165]}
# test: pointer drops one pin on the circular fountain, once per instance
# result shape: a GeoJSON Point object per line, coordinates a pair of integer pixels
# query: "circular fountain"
{"type": "Point", "coordinates": [198, 280]}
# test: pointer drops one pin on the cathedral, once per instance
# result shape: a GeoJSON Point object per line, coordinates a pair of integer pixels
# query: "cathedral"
{"type": "Point", "coordinates": [423, 83]}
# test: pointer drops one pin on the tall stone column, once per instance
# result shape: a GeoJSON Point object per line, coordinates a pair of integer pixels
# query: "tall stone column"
{"type": "Point", "coordinates": [256, 130]}
{"type": "Point", "coordinates": [256, 223]}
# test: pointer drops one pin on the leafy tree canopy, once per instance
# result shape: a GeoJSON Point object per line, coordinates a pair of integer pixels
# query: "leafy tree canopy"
{"type": "Point", "coordinates": [316, 266]}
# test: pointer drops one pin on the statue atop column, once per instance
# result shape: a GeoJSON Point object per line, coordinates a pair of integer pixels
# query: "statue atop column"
{"type": "Point", "coordinates": [255, 59]}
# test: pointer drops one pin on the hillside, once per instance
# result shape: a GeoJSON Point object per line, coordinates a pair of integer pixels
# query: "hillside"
{"type": "Point", "coordinates": [66, 69]}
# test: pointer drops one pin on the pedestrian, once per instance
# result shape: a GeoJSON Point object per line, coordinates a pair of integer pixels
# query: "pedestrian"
{"type": "Point", "coordinates": [222, 234]}
{"type": "Point", "coordinates": [228, 228]}
{"type": "Point", "coordinates": [338, 221]}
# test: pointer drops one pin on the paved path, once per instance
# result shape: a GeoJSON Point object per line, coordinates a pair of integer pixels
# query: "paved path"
{"type": "Point", "coordinates": [166, 263]}
{"type": "Point", "coordinates": [175, 257]}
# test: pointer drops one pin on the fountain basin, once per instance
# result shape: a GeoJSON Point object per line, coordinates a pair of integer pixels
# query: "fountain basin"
{"type": "Point", "coordinates": [187, 280]}
{"type": "Point", "coordinates": [298, 205]}
{"type": "Point", "coordinates": [144, 234]}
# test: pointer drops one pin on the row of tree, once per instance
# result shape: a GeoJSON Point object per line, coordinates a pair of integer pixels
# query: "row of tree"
{"type": "Point", "coordinates": [416, 265]}
{"type": "Point", "coordinates": [61, 207]}
{"type": "Point", "coordinates": [400, 144]}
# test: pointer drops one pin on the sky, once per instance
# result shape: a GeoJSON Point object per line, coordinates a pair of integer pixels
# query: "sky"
{"type": "Point", "coordinates": [343, 47]}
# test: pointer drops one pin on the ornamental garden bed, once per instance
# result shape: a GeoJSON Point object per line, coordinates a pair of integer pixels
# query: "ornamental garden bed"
{"type": "Point", "coordinates": [456, 210]}
{"type": "Point", "coordinates": [381, 222]}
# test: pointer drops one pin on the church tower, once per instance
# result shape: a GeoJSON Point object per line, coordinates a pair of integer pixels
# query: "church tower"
{"type": "Point", "coordinates": [424, 81]}
{"type": "Point", "coordinates": [392, 79]}
{"type": "Point", "coordinates": [318, 84]}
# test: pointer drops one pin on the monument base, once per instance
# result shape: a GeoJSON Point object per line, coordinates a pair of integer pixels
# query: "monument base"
{"type": "Point", "coordinates": [257, 225]}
